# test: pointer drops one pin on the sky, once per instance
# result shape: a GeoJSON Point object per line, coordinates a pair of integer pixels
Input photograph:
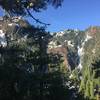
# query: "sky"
{"type": "Point", "coordinates": [73, 14]}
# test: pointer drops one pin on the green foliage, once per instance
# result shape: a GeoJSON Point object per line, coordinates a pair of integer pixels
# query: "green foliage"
{"type": "Point", "coordinates": [89, 83]}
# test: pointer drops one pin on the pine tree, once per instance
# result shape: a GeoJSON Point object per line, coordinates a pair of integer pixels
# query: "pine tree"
{"type": "Point", "coordinates": [88, 83]}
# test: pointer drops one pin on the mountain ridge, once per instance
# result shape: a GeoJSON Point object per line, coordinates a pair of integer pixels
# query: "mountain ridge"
{"type": "Point", "coordinates": [77, 44]}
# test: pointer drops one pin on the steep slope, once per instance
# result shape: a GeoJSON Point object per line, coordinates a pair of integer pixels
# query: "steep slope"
{"type": "Point", "coordinates": [82, 47]}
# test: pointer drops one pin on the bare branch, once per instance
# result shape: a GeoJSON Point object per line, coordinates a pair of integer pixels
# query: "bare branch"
{"type": "Point", "coordinates": [37, 20]}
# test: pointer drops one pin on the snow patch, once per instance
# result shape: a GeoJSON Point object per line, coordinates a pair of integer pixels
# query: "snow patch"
{"type": "Point", "coordinates": [65, 41]}
{"type": "Point", "coordinates": [93, 51]}
{"type": "Point", "coordinates": [80, 65]}
{"type": "Point", "coordinates": [52, 44]}
{"type": "Point", "coordinates": [71, 76]}
{"type": "Point", "coordinates": [70, 44]}
{"type": "Point", "coordinates": [3, 41]}
{"type": "Point", "coordinates": [16, 19]}
{"type": "Point", "coordinates": [60, 33]}
{"type": "Point", "coordinates": [10, 24]}
{"type": "Point", "coordinates": [72, 87]}
{"type": "Point", "coordinates": [88, 38]}
{"type": "Point", "coordinates": [81, 50]}
{"type": "Point", "coordinates": [13, 24]}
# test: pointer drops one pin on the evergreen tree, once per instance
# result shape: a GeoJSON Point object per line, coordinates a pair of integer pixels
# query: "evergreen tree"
{"type": "Point", "coordinates": [89, 83]}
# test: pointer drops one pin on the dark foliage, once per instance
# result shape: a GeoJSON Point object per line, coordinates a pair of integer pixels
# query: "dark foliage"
{"type": "Point", "coordinates": [20, 7]}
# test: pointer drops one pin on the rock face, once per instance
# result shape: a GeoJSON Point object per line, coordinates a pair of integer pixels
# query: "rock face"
{"type": "Point", "coordinates": [82, 47]}
{"type": "Point", "coordinates": [62, 51]}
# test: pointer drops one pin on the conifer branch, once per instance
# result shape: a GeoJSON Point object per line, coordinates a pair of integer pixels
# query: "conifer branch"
{"type": "Point", "coordinates": [37, 20]}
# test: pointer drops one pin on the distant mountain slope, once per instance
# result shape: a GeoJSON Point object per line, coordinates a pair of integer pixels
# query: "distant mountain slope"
{"type": "Point", "coordinates": [82, 47]}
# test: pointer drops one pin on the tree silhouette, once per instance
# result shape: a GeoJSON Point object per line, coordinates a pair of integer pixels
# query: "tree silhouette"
{"type": "Point", "coordinates": [23, 7]}
{"type": "Point", "coordinates": [24, 72]}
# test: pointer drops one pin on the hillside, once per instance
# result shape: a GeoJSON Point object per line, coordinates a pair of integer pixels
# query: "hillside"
{"type": "Point", "coordinates": [82, 47]}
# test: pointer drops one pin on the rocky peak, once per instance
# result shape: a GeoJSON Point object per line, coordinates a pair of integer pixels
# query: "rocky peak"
{"type": "Point", "coordinates": [93, 30]}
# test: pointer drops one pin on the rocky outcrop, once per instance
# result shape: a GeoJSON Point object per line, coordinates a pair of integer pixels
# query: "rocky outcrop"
{"type": "Point", "coordinates": [61, 51]}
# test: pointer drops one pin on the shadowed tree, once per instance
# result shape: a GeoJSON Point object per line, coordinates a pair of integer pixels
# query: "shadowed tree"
{"type": "Point", "coordinates": [23, 65]}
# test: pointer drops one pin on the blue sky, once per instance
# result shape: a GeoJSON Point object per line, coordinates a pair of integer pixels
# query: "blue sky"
{"type": "Point", "coordinates": [73, 14]}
